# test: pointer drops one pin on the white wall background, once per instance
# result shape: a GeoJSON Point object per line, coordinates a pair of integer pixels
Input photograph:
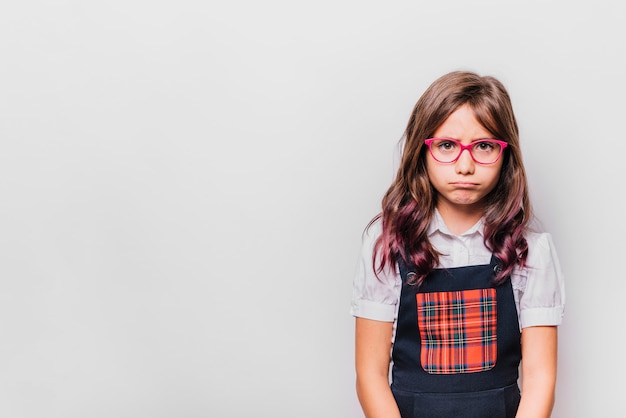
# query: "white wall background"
{"type": "Point", "coordinates": [183, 186]}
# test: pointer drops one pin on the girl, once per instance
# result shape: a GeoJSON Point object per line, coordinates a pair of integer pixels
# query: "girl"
{"type": "Point", "coordinates": [453, 288]}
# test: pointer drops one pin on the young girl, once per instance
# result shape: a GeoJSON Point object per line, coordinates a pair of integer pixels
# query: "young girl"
{"type": "Point", "coordinates": [453, 288]}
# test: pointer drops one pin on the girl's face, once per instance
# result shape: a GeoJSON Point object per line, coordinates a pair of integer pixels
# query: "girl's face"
{"type": "Point", "coordinates": [463, 184]}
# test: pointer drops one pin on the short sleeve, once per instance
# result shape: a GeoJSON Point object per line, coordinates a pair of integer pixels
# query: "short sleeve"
{"type": "Point", "coordinates": [540, 285]}
{"type": "Point", "coordinates": [374, 297]}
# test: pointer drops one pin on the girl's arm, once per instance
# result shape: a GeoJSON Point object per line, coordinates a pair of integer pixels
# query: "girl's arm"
{"type": "Point", "coordinates": [539, 358]}
{"type": "Point", "coordinates": [373, 349]}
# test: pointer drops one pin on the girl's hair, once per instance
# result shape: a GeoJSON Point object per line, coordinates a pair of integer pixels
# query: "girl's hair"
{"type": "Point", "coordinates": [409, 204]}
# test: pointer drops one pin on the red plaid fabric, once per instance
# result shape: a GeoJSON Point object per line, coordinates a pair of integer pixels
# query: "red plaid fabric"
{"type": "Point", "coordinates": [458, 330]}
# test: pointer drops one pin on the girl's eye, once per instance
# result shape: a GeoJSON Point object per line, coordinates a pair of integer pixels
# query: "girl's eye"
{"type": "Point", "coordinates": [446, 145]}
{"type": "Point", "coordinates": [483, 146]}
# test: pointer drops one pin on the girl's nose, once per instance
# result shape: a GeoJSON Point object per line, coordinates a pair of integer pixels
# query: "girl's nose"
{"type": "Point", "coordinates": [465, 164]}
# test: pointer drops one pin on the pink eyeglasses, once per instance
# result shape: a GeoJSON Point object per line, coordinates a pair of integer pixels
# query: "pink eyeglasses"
{"type": "Point", "coordinates": [483, 151]}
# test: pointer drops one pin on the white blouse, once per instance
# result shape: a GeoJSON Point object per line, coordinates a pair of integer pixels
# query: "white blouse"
{"type": "Point", "coordinates": [538, 288]}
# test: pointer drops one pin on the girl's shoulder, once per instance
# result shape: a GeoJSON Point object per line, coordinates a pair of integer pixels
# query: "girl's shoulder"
{"type": "Point", "coordinates": [539, 240]}
{"type": "Point", "coordinates": [541, 249]}
{"type": "Point", "coordinates": [373, 230]}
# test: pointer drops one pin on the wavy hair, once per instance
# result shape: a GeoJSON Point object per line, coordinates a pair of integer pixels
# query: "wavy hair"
{"type": "Point", "coordinates": [409, 204]}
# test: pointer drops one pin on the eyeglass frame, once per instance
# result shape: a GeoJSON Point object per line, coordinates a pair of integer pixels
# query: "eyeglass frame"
{"type": "Point", "coordinates": [468, 147]}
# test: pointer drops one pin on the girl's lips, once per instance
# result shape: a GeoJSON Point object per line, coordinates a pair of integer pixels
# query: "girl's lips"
{"type": "Point", "coordinates": [461, 185]}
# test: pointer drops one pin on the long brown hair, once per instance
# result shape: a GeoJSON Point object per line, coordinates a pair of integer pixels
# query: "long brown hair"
{"type": "Point", "coordinates": [408, 206]}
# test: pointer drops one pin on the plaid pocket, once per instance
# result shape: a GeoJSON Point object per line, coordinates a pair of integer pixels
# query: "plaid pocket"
{"type": "Point", "coordinates": [458, 330]}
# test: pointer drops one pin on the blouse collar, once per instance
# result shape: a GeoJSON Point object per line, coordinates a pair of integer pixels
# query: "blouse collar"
{"type": "Point", "coordinates": [438, 224]}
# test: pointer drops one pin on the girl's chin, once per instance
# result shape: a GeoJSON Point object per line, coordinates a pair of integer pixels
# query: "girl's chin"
{"type": "Point", "coordinates": [462, 200]}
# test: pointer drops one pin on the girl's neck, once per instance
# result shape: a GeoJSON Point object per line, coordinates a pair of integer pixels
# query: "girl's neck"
{"type": "Point", "coordinates": [459, 219]}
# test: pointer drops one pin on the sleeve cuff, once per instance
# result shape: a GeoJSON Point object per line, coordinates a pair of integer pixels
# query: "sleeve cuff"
{"type": "Point", "coordinates": [373, 310]}
{"type": "Point", "coordinates": [541, 317]}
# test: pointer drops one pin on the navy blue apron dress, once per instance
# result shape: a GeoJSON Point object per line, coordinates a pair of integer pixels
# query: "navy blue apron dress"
{"type": "Point", "coordinates": [457, 347]}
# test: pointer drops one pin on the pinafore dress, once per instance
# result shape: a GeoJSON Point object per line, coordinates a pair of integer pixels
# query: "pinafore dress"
{"type": "Point", "coordinates": [457, 346]}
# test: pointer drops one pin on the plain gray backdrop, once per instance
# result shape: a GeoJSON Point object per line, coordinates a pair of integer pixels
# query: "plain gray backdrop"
{"type": "Point", "coordinates": [183, 187]}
